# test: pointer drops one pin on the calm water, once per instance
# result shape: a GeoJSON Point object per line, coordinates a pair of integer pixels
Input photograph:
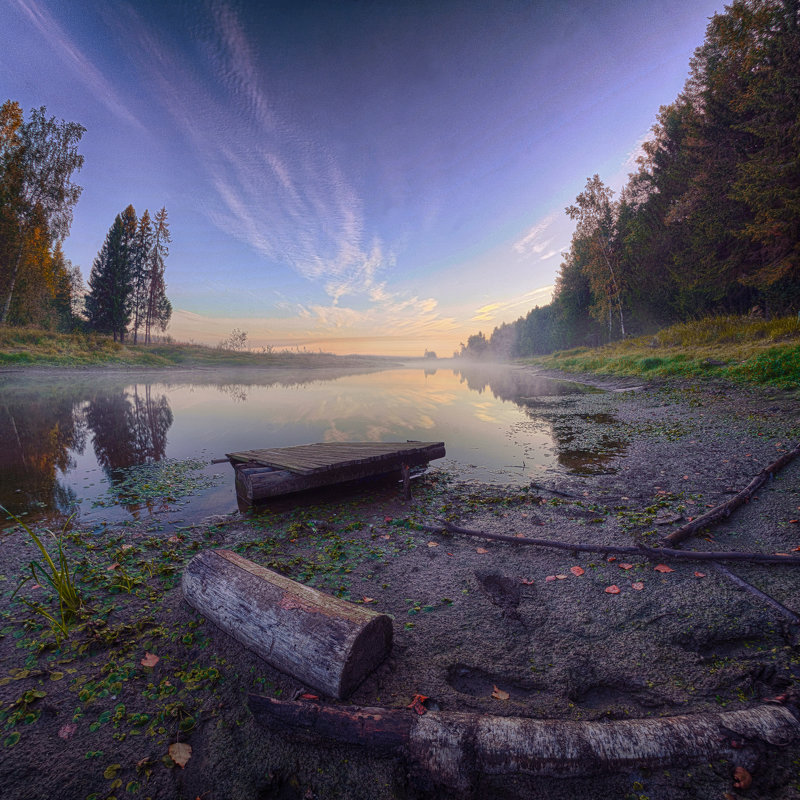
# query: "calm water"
{"type": "Point", "coordinates": [69, 439]}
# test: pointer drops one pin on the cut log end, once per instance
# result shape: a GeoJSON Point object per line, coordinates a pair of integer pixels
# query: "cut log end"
{"type": "Point", "coordinates": [369, 648]}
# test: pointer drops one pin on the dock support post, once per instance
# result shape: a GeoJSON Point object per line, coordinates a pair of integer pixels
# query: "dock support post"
{"type": "Point", "coordinates": [405, 471]}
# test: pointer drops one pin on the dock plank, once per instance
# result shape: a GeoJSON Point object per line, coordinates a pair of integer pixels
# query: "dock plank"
{"type": "Point", "coordinates": [311, 459]}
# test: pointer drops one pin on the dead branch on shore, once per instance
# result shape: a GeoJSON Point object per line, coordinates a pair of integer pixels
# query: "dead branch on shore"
{"type": "Point", "coordinates": [756, 592]}
{"type": "Point", "coordinates": [724, 510]}
{"type": "Point", "coordinates": [650, 553]}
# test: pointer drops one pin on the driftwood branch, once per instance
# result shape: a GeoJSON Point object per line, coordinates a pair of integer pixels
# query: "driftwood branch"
{"type": "Point", "coordinates": [756, 592]}
{"type": "Point", "coordinates": [454, 749]}
{"type": "Point", "coordinates": [724, 510]}
{"type": "Point", "coordinates": [643, 551]}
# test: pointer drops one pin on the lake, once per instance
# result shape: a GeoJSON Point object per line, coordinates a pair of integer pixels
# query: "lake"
{"type": "Point", "coordinates": [76, 442]}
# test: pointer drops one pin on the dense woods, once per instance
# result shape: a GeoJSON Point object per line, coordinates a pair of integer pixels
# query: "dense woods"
{"type": "Point", "coordinates": [38, 284]}
{"type": "Point", "coordinates": [710, 222]}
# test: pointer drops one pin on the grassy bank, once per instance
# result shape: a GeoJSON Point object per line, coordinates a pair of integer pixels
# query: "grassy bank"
{"type": "Point", "coordinates": [741, 349]}
{"type": "Point", "coordinates": [23, 347]}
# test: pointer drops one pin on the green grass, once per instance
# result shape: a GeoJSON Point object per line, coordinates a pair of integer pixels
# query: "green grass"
{"type": "Point", "coordinates": [26, 346]}
{"type": "Point", "coordinates": [741, 349]}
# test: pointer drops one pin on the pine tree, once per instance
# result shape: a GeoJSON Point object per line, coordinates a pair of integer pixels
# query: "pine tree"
{"type": "Point", "coordinates": [159, 309]}
{"type": "Point", "coordinates": [109, 302]}
{"type": "Point", "coordinates": [143, 247]}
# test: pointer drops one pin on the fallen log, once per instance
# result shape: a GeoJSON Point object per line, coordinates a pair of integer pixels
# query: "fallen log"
{"type": "Point", "coordinates": [724, 510]}
{"type": "Point", "coordinates": [322, 641]}
{"type": "Point", "coordinates": [454, 748]}
{"type": "Point", "coordinates": [643, 551]}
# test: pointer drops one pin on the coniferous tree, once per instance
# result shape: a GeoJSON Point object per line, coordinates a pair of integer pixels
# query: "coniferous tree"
{"type": "Point", "coordinates": [109, 302]}
{"type": "Point", "coordinates": [159, 309]}
{"type": "Point", "coordinates": [142, 251]}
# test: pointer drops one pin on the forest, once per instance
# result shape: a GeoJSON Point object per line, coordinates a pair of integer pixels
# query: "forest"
{"type": "Point", "coordinates": [709, 223]}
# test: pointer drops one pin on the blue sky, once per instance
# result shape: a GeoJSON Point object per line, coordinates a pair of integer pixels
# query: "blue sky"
{"type": "Point", "coordinates": [352, 176]}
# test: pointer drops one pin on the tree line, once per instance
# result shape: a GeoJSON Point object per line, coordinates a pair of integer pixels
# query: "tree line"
{"type": "Point", "coordinates": [710, 221]}
{"type": "Point", "coordinates": [38, 284]}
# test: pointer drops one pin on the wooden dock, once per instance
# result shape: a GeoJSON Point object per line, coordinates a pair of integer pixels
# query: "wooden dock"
{"type": "Point", "coordinates": [271, 472]}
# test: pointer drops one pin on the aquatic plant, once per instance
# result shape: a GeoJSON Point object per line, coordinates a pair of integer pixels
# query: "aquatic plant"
{"type": "Point", "coordinates": [57, 574]}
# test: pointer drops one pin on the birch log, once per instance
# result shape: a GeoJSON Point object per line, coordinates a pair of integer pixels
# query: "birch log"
{"type": "Point", "coordinates": [454, 748]}
{"type": "Point", "coordinates": [322, 641]}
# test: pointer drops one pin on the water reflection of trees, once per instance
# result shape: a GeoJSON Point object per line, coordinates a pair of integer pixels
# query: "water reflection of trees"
{"type": "Point", "coordinates": [128, 427]}
{"type": "Point", "coordinates": [584, 444]}
{"type": "Point", "coordinates": [44, 428]}
{"type": "Point", "coordinates": [40, 436]}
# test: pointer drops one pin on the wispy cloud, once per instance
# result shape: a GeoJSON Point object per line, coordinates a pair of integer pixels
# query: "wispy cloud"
{"type": "Point", "coordinates": [71, 54]}
{"type": "Point", "coordinates": [533, 241]}
{"type": "Point", "coordinates": [277, 187]}
{"type": "Point", "coordinates": [500, 310]}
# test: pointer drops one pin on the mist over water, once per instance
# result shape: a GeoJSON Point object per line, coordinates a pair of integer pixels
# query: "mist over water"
{"type": "Point", "coordinates": [70, 441]}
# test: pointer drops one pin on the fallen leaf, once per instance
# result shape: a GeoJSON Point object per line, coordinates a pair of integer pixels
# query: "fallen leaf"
{"type": "Point", "coordinates": [366, 599]}
{"type": "Point", "coordinates": [67, 731]}
{"type": "Point", "coordinates": [112, 566]}
{"type": "Point", "coordinates": [611, 558]}
{"type": "Point", "coordinates": [433, 544]}
{"type": "Point", "coordinates": [663, 568]}
{"type": "Point", "coordinates": [782, 554]}
{"type": "Point", "coordinates": [741, 778]}
{"type": "Point", "coordinates": [527, 581]}
{"type": "Point", "coordinates": [578, 571]}
{"type": "Point", "coordinates": [699, 574]}
{"type": "Point", "coordinates": [638, 586]}
{"type": "Point", "coordinates": [561, 577]}
{"type": "Point", "coordinates": [387, 519]}
{"type": "Point", "coordinates": [549, 578]}
{"type": "Point", "coordinates": [612, 589]}
{"type": "Point", "coordinates": [149, 660]}
{"type": "Point", "coordinates": [309, 696]}
{"type": "Point", "coordinates": [386, 536]}
{"type": "Point", "coordinates": [418, 704]}
{"type": "Point", "coordinates": [794, 521]}
{"type": "Point", "coordinates": [173, 539]}
{"type": "Point", "coordinates": [180, 753]}
{"type": "Point", "coordinates": [481, 550]}
{"type": "Point", "coordinates": [626, 566]}
{"type": "Point", "coordinates": [126, 547]}
{"type": "Point", "coordinates": [499, 694]}
{"type": "Point", "coordinates": [520, 535]}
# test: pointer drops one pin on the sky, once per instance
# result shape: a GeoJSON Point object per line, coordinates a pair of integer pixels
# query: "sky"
{"type": "Point", "coordinates": [352, 176]}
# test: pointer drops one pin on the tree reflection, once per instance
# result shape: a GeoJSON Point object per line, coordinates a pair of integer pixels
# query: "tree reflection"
{"type": "Point", "coordinates": [128, 428]}
{"type": "Point", "coordinates": [40, 435]}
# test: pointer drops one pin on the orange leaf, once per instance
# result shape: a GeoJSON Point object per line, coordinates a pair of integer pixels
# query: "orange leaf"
{"type": "Point", "coordinates": [433, 544]}
{"type": "Point", "coordinates": [795, 521]}
{"type": "Point", "coordinates": [112, 566]}
{"type": "Point", "coordinates": [180, 753]}
{"type": "Point", "coordinates": [366, 599]}
{"type": "Point", "coordinates": [561, 577]}
{"type": "Point", "coordinates": [386, 536]}
{"type": "Point", "coordinates": [481, 550]}
{"type": "Point", "coordinates": [663, 568]}
{"type": "Point", "coordinates": [149, 660]}
{"type": "Point", "coordinates": [499, 694]}
{"type": "Point", "coordinates": [549, 578]}
{"type": "Point", "coordinates": [611, 558]}
{"type": "Point", "coordinates": [638, 586]}
{"type": "Point", "coordinates": [741, 778]}
{"type": "Point", "coordinates": [418, 704]}
{"type": "Point", "coordinates": [577, 570]}
{"type": "Point", "coordinates": [626, 566]}
{"type": "Point", "coordinates": [526, 581]}
{"type": "Point", "coordinates": [699, 574]}
{"type": "Point", "coordinates": [309, 696]}
{"type": "Point", "coordinates": [612, 589]}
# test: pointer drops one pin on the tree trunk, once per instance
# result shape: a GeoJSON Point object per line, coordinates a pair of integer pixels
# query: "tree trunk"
{"type": "Point", "coordinates": [320, 640]}
{"type": "Point", "coordinates": [14, 274]}
{"type": "Point", "coordinates": [455, 748]}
